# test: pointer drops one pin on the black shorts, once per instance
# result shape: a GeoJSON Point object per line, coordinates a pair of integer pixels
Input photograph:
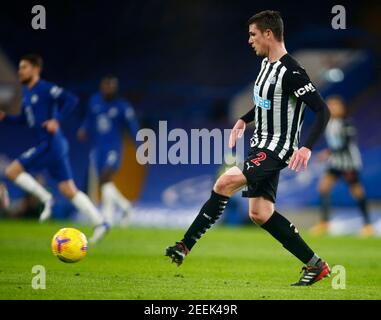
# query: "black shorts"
{"type": "Point", "coordinates": [350, 176]}
{"type": "Point", "coordinates": [261, 169]}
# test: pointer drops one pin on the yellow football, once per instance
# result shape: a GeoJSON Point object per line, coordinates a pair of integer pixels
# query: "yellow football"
{"type": "Point", "coordinates": [69, 245]}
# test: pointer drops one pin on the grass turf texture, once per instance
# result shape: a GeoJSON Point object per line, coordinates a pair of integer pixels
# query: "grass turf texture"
{"type": "Point", "coordinates": [227, 263]}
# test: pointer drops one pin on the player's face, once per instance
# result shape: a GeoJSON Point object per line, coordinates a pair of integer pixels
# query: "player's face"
{"type": "Point", "coordinates": [109, 88]}
{"type": "Point", "coordinates": [27, 71]}
{"type": "Point", "coordinates": [336, 108]}
{"type": "Point", "coordinates": [258, 40]}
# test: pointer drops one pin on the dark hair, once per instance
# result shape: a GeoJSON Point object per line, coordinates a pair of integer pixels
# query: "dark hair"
{"type": "Point", "coordinates": [110, 76]}
{"type": "Point", "coordinates": [336, 97]}
{"type": "Point", "coordinates": [34, 59]}
{"type": "Point", "coordinates": [268, 19]}
{"type": "Point", "coordinates": [340, 99]}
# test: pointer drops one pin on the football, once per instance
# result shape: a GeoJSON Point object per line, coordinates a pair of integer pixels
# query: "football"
{"type": "Point", "coordinates": [69, 245]}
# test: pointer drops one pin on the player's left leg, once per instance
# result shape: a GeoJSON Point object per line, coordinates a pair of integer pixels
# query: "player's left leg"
{"type": "Point", "coordinates": [262, 212]}
{"type": "Point", "coordinates": [16, 172]}
{"type": "Point", "coordinates": [82, 202]}
{"type": "Point", "coordinates": [358, 193]}
{"type": "Point", "coordinates": [326, 183]}
{"type": "Point", "coordinates": [263, 181]}
{"type": "Point", "coordinates": [60, 170]}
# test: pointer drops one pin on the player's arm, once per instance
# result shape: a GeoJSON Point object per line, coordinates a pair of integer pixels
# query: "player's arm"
{"type": "Point", "coordinates": [66, 102]}
{"type": "Point", "coordinates": [324, 154]}
{"type": "Point", "coordinates": [82, 132]}
{"type": "Point", "coordinates": [240, 126]}
{"type": "Point", "coordinates": [350, 134]}
{"type": "Point", "coordinates": [87, 121]}
{"type": "Point", "coordinates": [249, 116]}
{"type": "Point", "coordinates": [130, 120]}
{"type": "Point", "coordinates": [12, 119]}
{"type": "Point", "coordinates": [298, 82]}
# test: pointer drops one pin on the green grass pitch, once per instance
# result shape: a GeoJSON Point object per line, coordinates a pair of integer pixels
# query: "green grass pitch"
{"type": "Point", "coordinates": [227, 263]}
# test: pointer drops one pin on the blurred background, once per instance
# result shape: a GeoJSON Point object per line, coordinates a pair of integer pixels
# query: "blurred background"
{"type": "Point", "coordinates": [188, 62]}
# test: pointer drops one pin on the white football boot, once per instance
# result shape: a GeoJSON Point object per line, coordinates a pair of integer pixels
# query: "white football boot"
{"type": "Point", "coordinates": [47, 212]}
{"type": "Point", "coordinates": [99, 232]}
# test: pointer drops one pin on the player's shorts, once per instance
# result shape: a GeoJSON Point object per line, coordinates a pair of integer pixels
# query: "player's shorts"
{"type": "Point", "coordinates": [51, 155]}
{"type": "Point", "coordinates": [106, 159]}
{"type": "Point", "coordinates": [261, 169]}
{"type": "Point", "coordinates": [350, 176]}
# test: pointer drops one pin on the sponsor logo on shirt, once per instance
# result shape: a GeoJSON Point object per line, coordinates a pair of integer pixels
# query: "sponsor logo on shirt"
{"type": "Point", "coordinates": [259, 101]}
{"type": "Point", "coordinates": [303, 90]}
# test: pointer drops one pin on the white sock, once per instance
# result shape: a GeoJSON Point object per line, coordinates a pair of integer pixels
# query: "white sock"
{"type": "Point", "coordinates": [107, 203]}
{"type": "Point", "coordinates": [26, 182]}
{"type": "Point", "coordinates": [110, 189]}
{"type": "Point", "coordinates": [82, 202]}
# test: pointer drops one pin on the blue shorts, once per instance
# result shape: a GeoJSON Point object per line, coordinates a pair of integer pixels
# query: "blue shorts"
{"type": "Point", "coordinates": [106, 159]}
{"type": "Point", "coordinates": [52, 155]}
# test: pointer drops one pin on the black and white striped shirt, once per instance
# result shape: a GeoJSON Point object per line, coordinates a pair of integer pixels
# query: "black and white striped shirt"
{"type": "Point", "coordinates": [281, 92]}
{"type": "Point", "coordinates": [345, 155]}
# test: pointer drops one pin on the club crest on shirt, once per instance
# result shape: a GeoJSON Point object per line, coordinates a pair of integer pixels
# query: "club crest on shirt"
{"type": "Point", "coordinates": [113, 112]}
{"type": "Point", "coordinates": [103, 123]}
{"type": "Point", "coordinates": [272, 80]}
{"type": "Point", "coordinates": [34, 98]}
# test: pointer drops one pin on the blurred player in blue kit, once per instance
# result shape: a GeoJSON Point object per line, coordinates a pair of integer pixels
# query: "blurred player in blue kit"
{"type": "Point", "coordinates": [44, 106]}
{"type": "Point", "coordinates": [107, 115]}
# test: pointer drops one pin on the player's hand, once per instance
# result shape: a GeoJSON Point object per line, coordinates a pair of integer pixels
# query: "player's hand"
{"type": "Point", "coordinates": [237, 132]}
{"type": "Point", "coordinates": [2, 115]}
{"type": "Point", "coordinates": [81, 135]}
{"type": "Point", "coordinates": [51, 126]}
{"type": "Point", "coordinates": [299, 159]}
{"type": "Point", "coordinates": [323, 155]}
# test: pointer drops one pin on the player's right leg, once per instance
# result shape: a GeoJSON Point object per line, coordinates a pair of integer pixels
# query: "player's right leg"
{"type": "Point", "coordinates": [263, 213]}
{"type": "Point", "coordinates": [17, 174]}
{"type": "Point", "coordinates": [112, 197]}
{"type": "Point", "coordinates": [358, 193]}
{"type": "Point", "coordinates": [108, 203]}
{"type": "Point", "coordinates": [226, 185]}
{"type": "Point", "coordinates": [326, 184]}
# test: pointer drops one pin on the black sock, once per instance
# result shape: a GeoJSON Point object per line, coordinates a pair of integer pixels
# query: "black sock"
{"type": "Point", "coordinates": [286, 233]}
{"type": "Point", "coordinates": [325, 207]}
{"type": "Point", "coordinates": [363, 205]}
{"type": "Point", "coordinates": [209, 214]}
